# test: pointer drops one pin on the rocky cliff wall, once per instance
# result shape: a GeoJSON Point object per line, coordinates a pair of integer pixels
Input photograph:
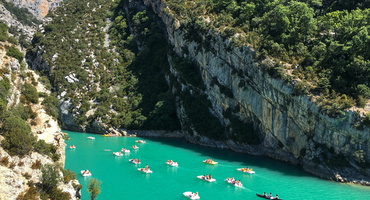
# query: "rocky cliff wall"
{"type": "Point", "coordinates": [16, 173]}
{"type": "Point", "coordinates": [289, 127]}
{"type": "Point", "coordinates": [39, 8]}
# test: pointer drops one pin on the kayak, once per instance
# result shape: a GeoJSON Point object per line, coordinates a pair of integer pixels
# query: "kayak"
{"type": "Point", "coordinates": [267, 197]}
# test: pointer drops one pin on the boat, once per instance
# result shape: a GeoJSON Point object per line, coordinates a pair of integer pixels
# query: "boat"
{"type": "Point", "coordinates": [210, 161]}
{"type": "Point", "coordinates": [124, 150]}
{"type": "Point", "coordinates": [206, 178]}
{"type": "Point", "coordinates": [135, 160]}
{"type": "Point", "coordinates": [145, 170]}
{"type": "Point", "coordinates": [117, 153]}
{"type": "Point", "coordinates": [91, 138]}
{"type": "Point", "coordinates": [170, 162]}
{"type": "Point", "coordinates": [234, 182]}
{"type": "Point", "coordinates": [265, 196]}
{"type": "Point", "coordinates": [135, 147]}
{"type": "Point", "coordinates": [246, 170]}
{"type": "Point", "coordinates": [191, 195]}
{"type": "Point", "coordinates": [140, 141]}
{"type": "Point", "coordinates": [85, 172]}
{"type": "Point", "coordinates": [72, 147]}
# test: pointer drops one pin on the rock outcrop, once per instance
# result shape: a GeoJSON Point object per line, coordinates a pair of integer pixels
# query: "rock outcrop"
{"type": "Point", "coordinates": [289, 127]}
{"type": "Point", "coordinates": [39, 8]}
{"type": "Point", "coordinates": [17, 172]}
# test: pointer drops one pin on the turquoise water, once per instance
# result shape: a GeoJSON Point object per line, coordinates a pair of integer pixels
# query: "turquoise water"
{"type": "Point", "coordinates": [122, 181]}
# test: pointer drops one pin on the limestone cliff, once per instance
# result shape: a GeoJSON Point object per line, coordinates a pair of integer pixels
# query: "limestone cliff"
{"type": "Point", "coordinates": [18, 173]}
{"type": "Point", "coordinates": [39, 8]}
{"type": "Point", "coordinates": [280, 124]}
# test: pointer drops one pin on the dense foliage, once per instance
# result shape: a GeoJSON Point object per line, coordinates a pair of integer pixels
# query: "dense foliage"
{"type": "Point", "coordinates": [107, 81]}
{"type": "Point", "coordinates": [323, 43]}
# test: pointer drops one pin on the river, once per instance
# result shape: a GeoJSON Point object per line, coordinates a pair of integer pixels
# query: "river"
{"type": "Point", "coordinates": [122, 181]}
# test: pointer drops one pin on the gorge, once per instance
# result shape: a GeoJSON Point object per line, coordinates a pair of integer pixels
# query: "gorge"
{"type": "Point", "coordinates": [212, 90]}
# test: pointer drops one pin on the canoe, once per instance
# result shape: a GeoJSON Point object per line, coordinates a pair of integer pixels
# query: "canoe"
{"type": "Point", "coordinates": [91, 138]}
{"type": "Point", "coordinates": [205, 179]}
{"type": "Point", "coordinates": [267, 197]}
{"type": "Point", "coordinates": [190, 195]}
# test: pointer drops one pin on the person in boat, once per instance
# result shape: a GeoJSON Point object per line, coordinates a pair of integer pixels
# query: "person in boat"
{"type": "Point", "coordinates": [195, 194]}
{"type": "Point", "coordinates": [277, 196]}
{"type": "Point", "coordinates": [264, 194]}
{"type": "Point", "coordinates": [147, 168]}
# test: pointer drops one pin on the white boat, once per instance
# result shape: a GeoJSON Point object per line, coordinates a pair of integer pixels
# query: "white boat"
{"type": "Point", "coordinates": [234, 182]}
{"type": "Point", "coordinates": [72, 147]}
{"type": "Point", "coordinates": [91, 138]}
{"type": "Point", "coordinates": [135, 161]}
{"type": "Point", "coordinates": [148, 171]}
{"type": "Point", "coordinates": [140, 141]}
{"type": "Point", "coordinates": [117, 153]}
{"type": "Point", "coordinates": [135, 147]}
{"type": "Point", "coordinates": [85, 173]}
{"type": "Point", "coordinates": [174, 164]}
{"type": "Point", "coordinates": [205, 178]}
{"type": "Point", "coordinates": [246, 170]}
{"type": "Point", "coordinates": [191, 195]}
{"type": "Point", "coordinates": [124, 150]}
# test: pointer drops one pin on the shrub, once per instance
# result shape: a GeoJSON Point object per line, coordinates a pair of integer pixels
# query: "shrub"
{"type": "Point", "coordinates": [15, 53]}
{"type": "Point", "coordinates": [18, 139]}
{"type": "Point", "coordinates": [68, 175]}
{"type": "Point", "coordinates": [36, 165]}
{"type": "Point", "coordinates": [26, 175]}
{"type": "Point", "coordinates": [30, 93]}
{"type": "Point", "coordinates": [4, 161]}
{"type": "Point", "coordinates": [50, 177]}
{"type": "Point", "coordinates": [31, 194]}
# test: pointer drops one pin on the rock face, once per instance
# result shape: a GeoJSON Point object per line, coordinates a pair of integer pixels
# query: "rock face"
{"type": "Point", "coordinates": [10, 21]}
{"type": "Point", "coordinates": [39, 8]}
{"type": "Point", "coordinates": [288, 127]}
{"type": "Point", "coordinates": [17, 172]}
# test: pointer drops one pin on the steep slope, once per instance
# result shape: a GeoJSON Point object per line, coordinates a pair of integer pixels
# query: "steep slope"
{"type": "Point", "coordinates": [256, 112]}
{"type": "Point", "coordinates": [229, 94]}
{"type": "Point", "coordinates": [28, 132]}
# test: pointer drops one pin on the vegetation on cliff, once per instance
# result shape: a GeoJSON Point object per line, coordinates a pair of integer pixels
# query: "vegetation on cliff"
{"type": "Point", "coordinates": [94, 60]}
{"type": "Point", "coordinates": [322, 43]}
{"type": "Point", "coordinates": [18, 97]}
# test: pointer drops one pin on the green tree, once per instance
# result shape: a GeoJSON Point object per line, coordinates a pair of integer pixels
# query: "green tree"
{"type": "Point", "coordinates": [94, 188]}
{"type": "Point", "coordinates": [14, 52]}
{"type": "Point", "coordinates": [50, 177]}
